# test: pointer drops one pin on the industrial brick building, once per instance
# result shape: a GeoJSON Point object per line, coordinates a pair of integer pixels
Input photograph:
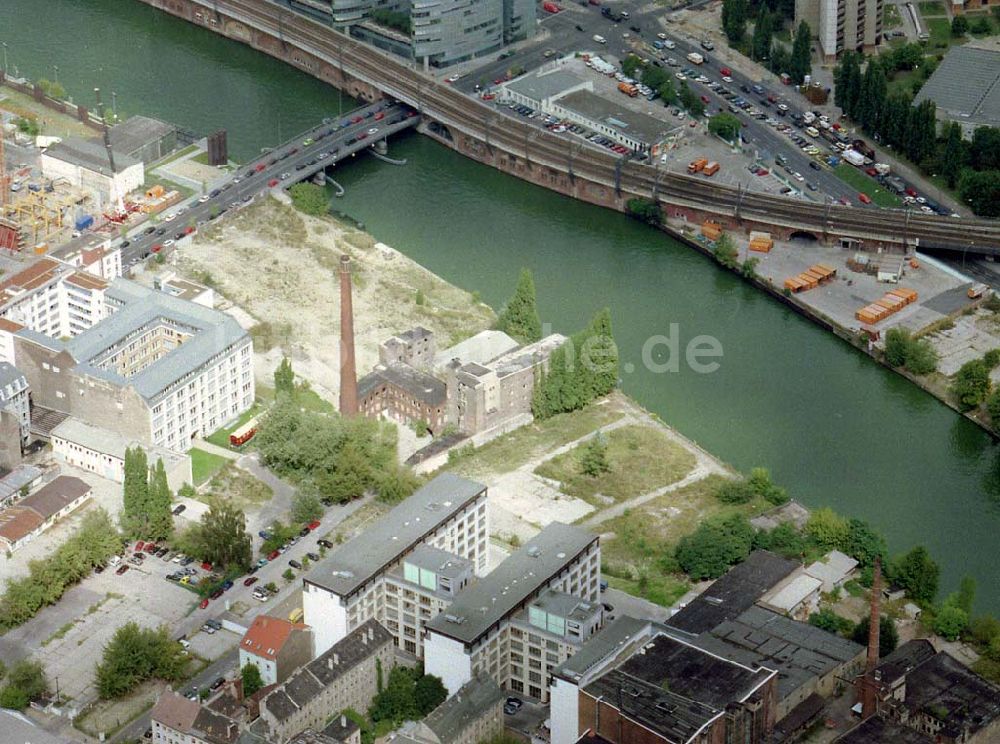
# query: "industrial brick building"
{"type": "Point", "coordinates": [478, 633]}
{"type": "Point", "coordinates": [349, 586]}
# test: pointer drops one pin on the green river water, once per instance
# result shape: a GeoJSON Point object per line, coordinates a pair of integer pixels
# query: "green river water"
{"type": "Point", "coordinates": [834, 427]}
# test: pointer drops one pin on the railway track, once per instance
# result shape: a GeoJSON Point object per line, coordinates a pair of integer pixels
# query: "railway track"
{"type": "Point", "coordinates": [540, 147]}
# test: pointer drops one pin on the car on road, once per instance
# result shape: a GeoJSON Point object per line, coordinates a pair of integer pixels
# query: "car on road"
{"type": "Point", "coordinates": [294, 563]}
{"type": "Point", "coordinates": [453, 78]}
{"type": "Point", "coordinates": [661, 36]}
{"type": "Point", "coordinates": [373, 130]}
{"type": "Point", "coordinates": [217, 593]}
{"type": "Point", "coordinates": [192, 694]}
{"type": "Point", "coordinates": [227, 585]}
{"type": "Point", "coordinates": [272, 183]}
{"type": "Point", "coordinates": [811, 186]}
{"type": "Point", "coordinates": [167, 244]}
{"type": "Point", "coordinates": [285, 176]}
{"type": "Point", "coordinates": [250, 581]}
{"type": "Point", "coordinates": [798, 176]}
{"type": "Point", "coordinates": [170, 216]}
{"type": "Point", "coordinates": [814, 165]}
{"type": "Point", "coordinates": [203, 198]}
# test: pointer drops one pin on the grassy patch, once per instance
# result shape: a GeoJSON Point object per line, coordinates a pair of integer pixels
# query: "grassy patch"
{"type": "Point", "coordinates": [307, 398]}
{"type": "Point", "coordinates": [110, 716]}
{"type": "Point", "coordinates": [205, 464]}
{"type": "Point", "coordinates": [855, 589]}
{"type": "Point", "coordinates": [644, 538]}
{"type": "Point", "coordinates": [866, 185]}
{"type": "Point", "coordinates": [931, 8]}
{"type": "Point", "coordinates": [175, 156]}
{"type": "Point", "coordinates": [220, 438]}
{"type": "Point", "coordinates": [940, 32]}
{"type": "Point", "coordinates": [658, 588]}
{"type": "Point", "coordinates": [641, 459]}
{"type": "Point", "coordinates": [513, 450]}
{"type": "Point", "coordinates": [238, 486]}
{"type": "Point", "coordinates": [891, 17]}
{"type": "Point", "coordinates": [903, 80]}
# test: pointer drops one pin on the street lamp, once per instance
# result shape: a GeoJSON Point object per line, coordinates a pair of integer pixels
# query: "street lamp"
{"type": "Point", "coordinates": [56, 68]}
{"type": "Point", "coordinates": [5, 56]}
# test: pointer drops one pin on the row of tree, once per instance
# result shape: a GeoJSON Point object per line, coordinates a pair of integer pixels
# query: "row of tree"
{"type": "Point", "coordinates": [146, 500]}
{"type": "Point", "coordinates": [972, 166]}
{"type": "Point", "coordinates": [582, 369]}
{"type": "Point", "coordinates": [49, 578]}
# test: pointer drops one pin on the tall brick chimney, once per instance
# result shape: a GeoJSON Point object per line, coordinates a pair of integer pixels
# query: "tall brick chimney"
{"type": "Point", "coordinates": [348, 364]}
{"type": "Point", "coordinates": [869, 685]}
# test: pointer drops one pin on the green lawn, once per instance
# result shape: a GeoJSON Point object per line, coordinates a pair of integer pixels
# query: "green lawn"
{"type": "Point", "coordinates": [903, 80]}
{"type": "Point", "coordinates": [659, 588]}
{"type": "Point", "coordinates": [221, 437]}
{"type": "Point", "coordinates": [307, 399]}
{"type": "Point", "coordinates": [866, 185]}
{"type": "Point", "coordinates": [204, 465]}
{"type": "Point", "coordinates": [641, 459]}
{"type": "Point", "coordinates": [940, 31]}
{"type": "Point", "coordinates": [931, 8]}
{"type": "Point", "coordinates": [891, 17]}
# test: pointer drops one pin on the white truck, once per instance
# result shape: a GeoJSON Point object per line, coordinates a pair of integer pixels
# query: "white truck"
{"type": "Point", "coordinates": [695, 58]}
{"type": "Point", "coordinates": [854, 158]}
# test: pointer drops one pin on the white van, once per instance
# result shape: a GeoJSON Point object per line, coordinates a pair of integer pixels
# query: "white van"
{"type": "Point", "coordinates": [812, 131]}
{"type": "Point", "coordinates": [600, 39]}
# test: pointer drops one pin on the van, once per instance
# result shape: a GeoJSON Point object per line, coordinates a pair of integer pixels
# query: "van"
{"type": "Point", "coordinates": [628, 89]}
{"type": "Point", "coordinates": [295, 615]}
{"type": "Point", "coordinates": [600, 39]}
{"type": "Point", "coordinates": [812, 131]}
{"type": "Point", "coordinates": [696, 166]}
{"type": "Point", "coordinates": [710, 169]}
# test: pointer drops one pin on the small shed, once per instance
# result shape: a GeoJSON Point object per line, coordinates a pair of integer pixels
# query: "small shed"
{"type": "Point", "coordinates": [834, 570]}
{"type": "Point", "coordinates": [797, 597]}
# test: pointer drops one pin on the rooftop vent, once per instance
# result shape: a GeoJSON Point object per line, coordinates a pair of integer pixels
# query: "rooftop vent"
{"type": "Point", "coordinates": [343, 574]}
{"type": "Point", "coordinates": [534, 551]}
{"type": "Point", "coordinates": [457, 619]}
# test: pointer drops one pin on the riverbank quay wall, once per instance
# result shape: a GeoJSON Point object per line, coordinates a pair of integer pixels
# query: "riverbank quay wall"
{"type": "Point", "coordinates": [478, 131]}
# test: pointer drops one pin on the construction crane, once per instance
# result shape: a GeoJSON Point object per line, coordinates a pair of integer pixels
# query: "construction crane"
{"type": "Point", "coordinates": [116, 197]}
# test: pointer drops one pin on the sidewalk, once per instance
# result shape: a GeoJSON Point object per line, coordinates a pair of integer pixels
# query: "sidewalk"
{"type": "Point", "coordinates": [216, 449]}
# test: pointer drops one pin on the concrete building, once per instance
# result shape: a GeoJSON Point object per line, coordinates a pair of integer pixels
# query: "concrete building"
{"type": "Point", "coordinates": [472, 715]}
{"type": "Point", "coordinates": [102, 452]}
{"type": "Point", "coordinates": [276, 647]}
{"type": "Point", "coordinates": [635, 130]}
{"type": "Point", "coordinates": [405, 394]}
{"type": "Point", "coordinates": [415, 347]}
{"type": "Point", "coordinates": [446, 32]}
{"type": "Point", "coordinates": [348, 587]}
{"type": "Point", "coordinates": [92, 254]}
{"type": "Point", "coordinates": [842, 25]}
{"type": "Point", "coordinates": [936, 695]}
{"type": "Point", "coordinates": [418, 589]}
{"type": "Point", "coordinates": [496, 396]}
{"type": "Point", "coordinates": [480, 349]}
{"type": "Point", "coordinates": [18, 483]}
{"type": "Point", "coordinates": [345, 676]}
{"type": "Point", "coordinates": [85, 164]}
{"type": "Point", "coordinates": [156, 369]}
{"type": "Point", "coordinates": [36, 512]}
{"type": "Point", "coordinates": [142, 138]}
{"type": "Point", "coordinates": [175, 286]}
{"type": "Point", "coordinates": [965, 87]}
{"type": "Point", "coordinates": [673, 692]}
{"type": "Point", "coordinates": [53, 299]}
{"type": "Point", "coordinates": [833, 570]}
{"type": "Point", "coordinates": [541, 89]}
{"type": "Point", "coordinates": [15, 402]}
{"type": "Point", "coordinates": [177, 720]}
{"type": "Point", "coordinates": [475, 634]}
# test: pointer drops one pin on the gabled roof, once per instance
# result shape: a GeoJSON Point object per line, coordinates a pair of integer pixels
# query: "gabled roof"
{"type": "Point", "coordinates": [267, 635]}
{"type": "Point", "coordinates": [175, 711]}
{"type": "Point", "coordinates": [56, 495]}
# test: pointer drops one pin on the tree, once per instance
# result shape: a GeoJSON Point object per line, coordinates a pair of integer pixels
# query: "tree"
{"type": "Point", "coordinates": [763, 33]}
{"type": "Point", "coordinates": [761, 485]}
{"type": "Point", "coordinates": [888, 637]}
{"type": "Point", "coordinates": [951, 620]}
{"type": "Point", "coordinates": [847, 83]}
{"type": "Point", "coordinates": [827, 528]}
{"type": "Point", "coordinates": [828, 620]}
{"type": "Point", "coordinates": [984, 150]}
{"type": "Point", "coordinates": [800, 63]}
{"type": "Point", "coordinates": [644, 210]}
{"type": "Point", "coordinates": [897, 342]}
{"type": "Point", "coordinates": [734, 20]}
{"type": "Point", "coordinates": [784, 540]}
{"type": "Point", "coordinates": [136, 654]}
{"type": "Point", "coordinates": [717, 544]}
{"type": "Point", "coordinates": [599, 355]}
{"type": "Point", "coordinates": [917, 573]}
{"type": "Point", "coordinates": [159, 518]}
{"type": "Point", "coordinates": [594, 461]}
{"type": "Point", "coordinates": [284, 378]}
{"type": "Point", "coordinates": [306, 507]}
{"type": "Point", "coordinates": [959, 26]}
{"type": "Point", "coordinates": [863, 543]}
{"type": "Point", "coordinates": [954, 154]}
{"type": "Point", "coordinates": [428, 693]}
{"type": "Point", "coordinates": [725, 251]}
{"type": "Point", "coordinates": [993, 406]}
{"type": "Point", "coordinates": [251, 679]}
{"type": "Point", "coordinates": [25, 682]}
{"type": "Point", "coordinates": [519, 319]}
{"type": "Point", "coordinates": [654, 77]}
{"type": "Point", "coordinates": [872, 96]}
{"type": "Point", "coordinates": [631, 65]}
{"type": "Point", "coordinates": [668, 93]}
{"type": "Point", "coordinates": [692, 101]}
{"type": "Point", "coordinates": [965, 597]}
{"type": "Point", "coordinates": [135, 493]}
{"type": "Point", "coordinates": [221, 537]}
{"type": "Point", "coordinates": [724, 125]}
{"type": "Point", "coordinates": [971, 384]}
{"type": "Point", "coordinates": [981, 191]}
{"type": "Point", "coordinates": [397, 483]}
{"type": "Point", "coordinates": [310, 199]}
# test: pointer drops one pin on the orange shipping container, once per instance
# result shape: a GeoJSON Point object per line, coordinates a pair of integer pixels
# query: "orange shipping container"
{"type": "Point", "coordinates": [696, 165]}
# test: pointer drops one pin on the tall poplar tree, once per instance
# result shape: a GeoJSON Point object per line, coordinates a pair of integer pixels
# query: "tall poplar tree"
{"type": "Point", "coordinates": [135, 493]}
{"type": "Point", "coordinates": [160, 521]}
{"type": "Point", "coordinates": [519, 319]}
{"type": "Point", "coordinates": [801, 62]}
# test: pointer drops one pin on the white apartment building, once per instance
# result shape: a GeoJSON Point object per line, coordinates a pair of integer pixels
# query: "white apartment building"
{"type": "Point", "coordinates": [474, 634]}
{"type": "Point", "coordinates": [348, 587]}
{"type": "Point", "coordinates": [53, 299]}
{"type": "Point", "coordinates": [842, 25]}
{"type": "Point", "coordinates": [419, 588]}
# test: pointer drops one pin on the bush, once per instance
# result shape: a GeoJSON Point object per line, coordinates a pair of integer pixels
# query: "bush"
{"type": "Point", "coordinates": [717, 544]}
{"type": "Point", "coordinates": [310, 199]}
{"type": "Point", "coordinates": [724, 125]}
{"type": "Point", "coordinates": [25, 682]}
{"type": "Point", "coordinates": [972, 383]}
{"type": "Point", "coordinates": [916, 355]}
{"type": "Point", "coordinates": [917, 573]}
{"type": "Point", "coordinates": [827, 528]}
{"type": "Point", "coordinates": [951, 620]}
{"type": "Point", "coordinates": [831, 622]}
{"type": "Point", "coordinates": [784, 540]}
{"type": "Point", "coordinates": [408, 695]}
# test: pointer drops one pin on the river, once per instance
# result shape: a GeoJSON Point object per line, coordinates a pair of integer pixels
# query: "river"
{"type": "Point", "coordinates": [835, 428]}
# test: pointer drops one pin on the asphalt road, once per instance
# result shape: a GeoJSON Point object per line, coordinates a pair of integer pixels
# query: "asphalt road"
{"type": "Point", "coordinates": [283, 166]}
{"type": "Point", "coordinates": [573, 29]}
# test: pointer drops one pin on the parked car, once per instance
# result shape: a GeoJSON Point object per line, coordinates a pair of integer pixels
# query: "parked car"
{"type": "Point", "coordinates": [179, 509]}
{"type": "Point", "coordinates": [312, 556]}
{"type": "Point", "coordinates": [313, 525]}
{"type": "Point", "coordinates": [294, 564]}
{"type": "Point", "coordinates": [216, 594]}
{"type": "Point", "coordinates": [121, 569]}
{"type": "Point", "coordinates": [250, 581]}
{"type": "Point", "coordinates": [303, 532]}
{"type": "Point", "coordinates": [324, 543]}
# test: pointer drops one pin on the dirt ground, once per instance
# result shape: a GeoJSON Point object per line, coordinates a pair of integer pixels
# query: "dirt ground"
{"type": "Point", "coordinates": [280, 267]}
{"type": "Point", "coordinates": [52, 123]}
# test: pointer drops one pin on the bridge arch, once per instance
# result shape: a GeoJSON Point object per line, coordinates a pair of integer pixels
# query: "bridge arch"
{"type": "Point", "coordinates": [436, 127]}
{"type": "Point", "coordinates": [803, 235]}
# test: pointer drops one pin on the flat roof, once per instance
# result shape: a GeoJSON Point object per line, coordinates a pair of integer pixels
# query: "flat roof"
{"type": "Point", "coordinates": [541, 86]}
{"type": "Point", "coordinates": [107, 442]}
{"type": "Point", "coordinates": [904, 659]}
{"type": "Point", "coordinates": [481, 348]}
{"type": "Point", "coordinates": [89, 154]}
{"type": "Point", "coordinates": [439, 561]}
{"type": "Point", "coordinates": [635, 124]}
{"type": "Point", "coordinates": [360, 559]}
{"type": "Point", "coordinates": [878, 730]}
{"type": "Point", "coordinates": [789, 596]}
{"type": "Point", "coordinates": [966, 86]}
{"type": "Point", "coordinates": [136, 132]}
{"type": "Point", "coordinates": [477, 608]}
{"type": "Point", "coordinates": [55, 495]}
{"type": "Point", "coordinates": [526, 356]}
{"type": "Point", "coordinates": [832, 567]}
{"type": "Point", "coordinates": [960, 699]}
{"type": "Point", "coordinates": [798, 651]}
{"type": "Point", "coordinates": [733, 592]}
{"type": "Point", "coordinates": [611, 640]}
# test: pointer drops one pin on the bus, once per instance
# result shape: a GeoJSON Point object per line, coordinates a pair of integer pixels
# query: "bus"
{"type": "Point", "coordinates": [243, 434]}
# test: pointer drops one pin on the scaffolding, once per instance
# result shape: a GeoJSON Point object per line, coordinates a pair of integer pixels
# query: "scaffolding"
{"type": "Point", "coordinates": [37, 215]}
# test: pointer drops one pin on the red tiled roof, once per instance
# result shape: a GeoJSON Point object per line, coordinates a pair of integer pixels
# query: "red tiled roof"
{"type": "Point", "coordinates": [10, 325]}
{"type": "Point", "coordinates": [16, 522]}
{"type": "Point", "coordinates": [267, 635]}
{"type": "Point", "coordinates": [86, 281]}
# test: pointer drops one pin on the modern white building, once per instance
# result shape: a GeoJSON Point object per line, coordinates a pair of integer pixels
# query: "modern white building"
{"type": "Point", "coordinates": [348, 587]}
{"type": "Point", "coordinates": [842, 25]}
{"type": "Point", "coordinates": [474, 634]}
{"type": "Point", "coordinates": [85, 164]}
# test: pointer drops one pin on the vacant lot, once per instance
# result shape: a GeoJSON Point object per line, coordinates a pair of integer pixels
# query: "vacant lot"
{"type": "Point", "coordinates": [640, 458]}
{"type": "Point", "coordinates": [238, 487]}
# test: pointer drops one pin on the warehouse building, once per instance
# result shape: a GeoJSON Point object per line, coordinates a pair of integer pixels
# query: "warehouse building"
{"type": "Point", "coordinates": [965, 88]}
{"type": "Point", "coordinates": [142, 138]}
{"type": "Point", "coordinates": [84, 164]}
